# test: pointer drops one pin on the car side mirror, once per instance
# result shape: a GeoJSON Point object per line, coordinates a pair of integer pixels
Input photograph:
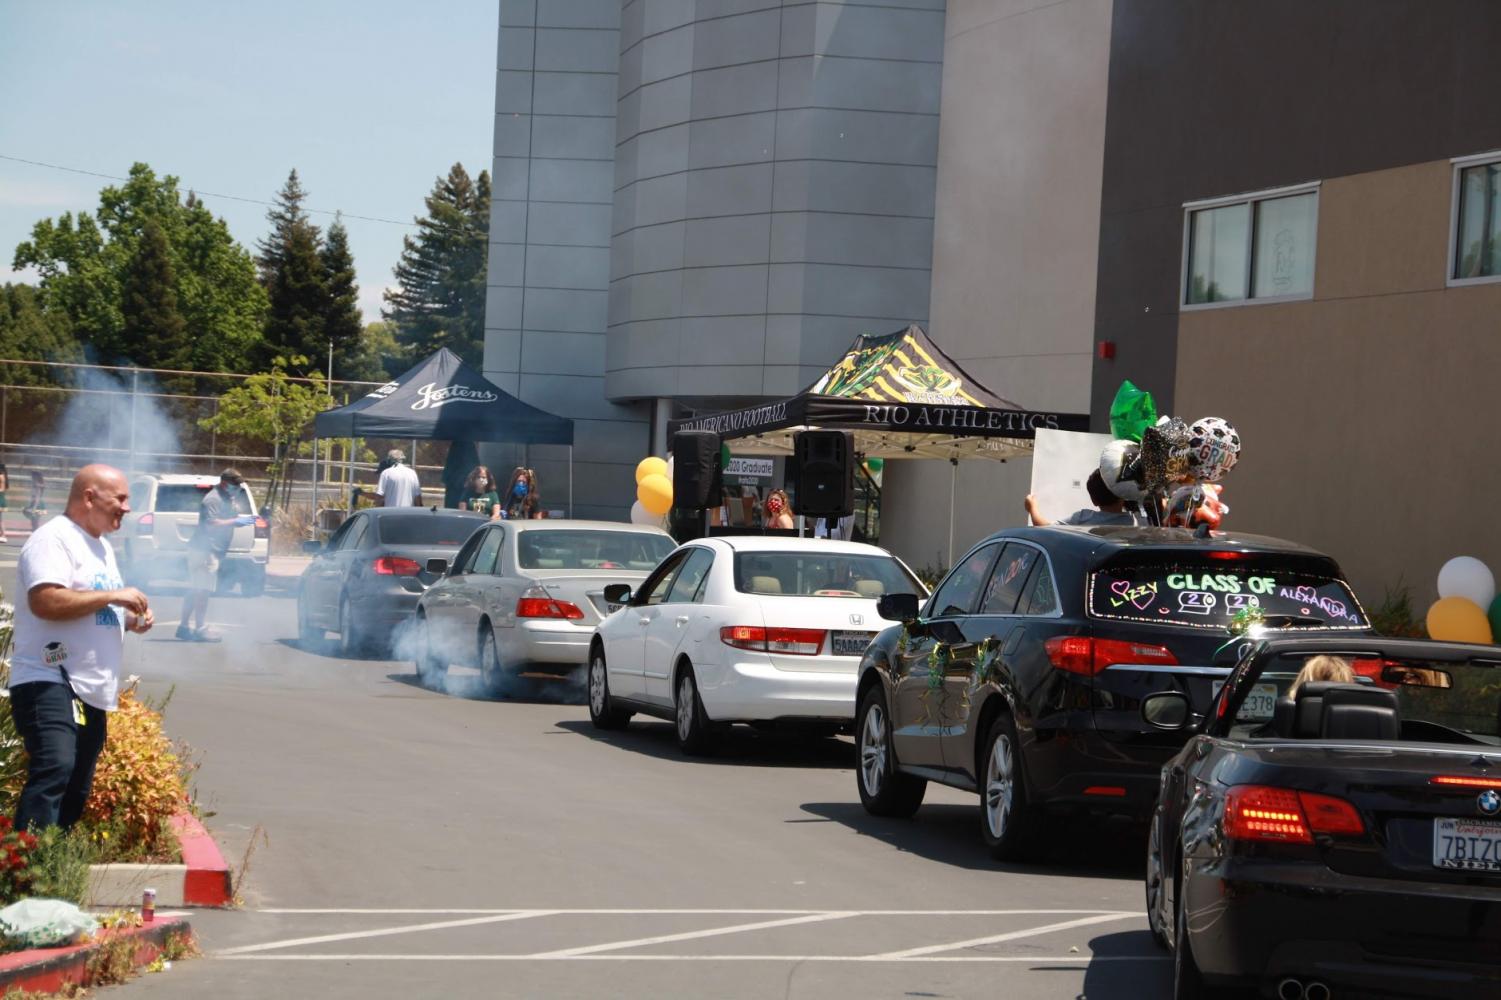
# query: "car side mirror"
{"type": "Point", "coordinates": [618, 593]}
{"type": "Point", "coordinates": [437, 566]}
{"type": "Point", "coordinates": [897, 607]}
{"type": "Point", "coordinates": [1168, 710]}
{"type": "Point", "coordinates": [312, 547]}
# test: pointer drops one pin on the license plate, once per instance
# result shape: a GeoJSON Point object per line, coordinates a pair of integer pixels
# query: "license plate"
{"type": "Point", "coordinates": [849, 643]}
{"type": "Point", "coordinates": [1472, 845]}
{"type": "Point", "coordinates": [1260, 705]}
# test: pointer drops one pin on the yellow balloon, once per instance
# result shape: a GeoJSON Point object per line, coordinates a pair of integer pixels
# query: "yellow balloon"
{"type": "Point", "coordinates": [1458, 619]}
{"type": "Point", "coordinates": [651, 465]}
{"type": "Point", "coordinates": [655, 494]}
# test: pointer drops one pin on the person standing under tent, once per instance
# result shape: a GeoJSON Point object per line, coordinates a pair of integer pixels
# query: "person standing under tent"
{"type": "Point", "coordinates": [481, 494]}
{"type": "Point", "coordinates": [398, 485]}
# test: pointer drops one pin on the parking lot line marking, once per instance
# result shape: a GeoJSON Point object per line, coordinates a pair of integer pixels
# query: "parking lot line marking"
{"type": "Point", "coordinates": [1012, 936]}
{"type": "Point", "coordinates": [697, 912]}
{"type": "Point", "coordinates": [1079, 960]}
{"type": "Point", "coordinates": [691, 935]}
{"type": "Point", "coordinates": [384, 932]}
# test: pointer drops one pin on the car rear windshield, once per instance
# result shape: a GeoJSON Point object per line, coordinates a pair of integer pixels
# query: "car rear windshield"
{"type": "Point", "coordinates": [427, 528]}
{"type": "Point", "coordinates": [594, 548]}
{"type": "Point", "coordinates": [821, 574]}
{"type": "Point", "coordinates": [1437, 701]}
{"type": "Point", "coordinates": [1208, 593]}
{"type": "Point", "coordinates": [177, 498]}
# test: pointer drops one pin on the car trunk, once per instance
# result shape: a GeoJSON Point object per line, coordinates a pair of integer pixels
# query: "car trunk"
{"type": "Point", "coordinates": [418, 554]}
{"type": "Point", "coordinates": [585, 589]}
{"type": "Point", "coordinates": [174, 522]}
{"type": "Point", "coordinates": [1169, 612]}
{"type": "Point", "coordinates": [851, 621]}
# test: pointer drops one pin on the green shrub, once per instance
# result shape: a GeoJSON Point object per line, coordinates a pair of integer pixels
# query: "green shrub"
{"type": "Point", "coordinates": [59, 865]}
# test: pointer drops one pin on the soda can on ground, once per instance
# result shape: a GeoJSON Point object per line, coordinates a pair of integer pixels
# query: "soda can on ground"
{"type": "Point", "coordinates": [148, 906]}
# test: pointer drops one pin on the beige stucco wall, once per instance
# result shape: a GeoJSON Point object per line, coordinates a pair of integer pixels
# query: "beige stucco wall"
{"type": "Point", "coordinates": [1016, 239]}
{"type": "Point", "coordinates": [1367, 412]}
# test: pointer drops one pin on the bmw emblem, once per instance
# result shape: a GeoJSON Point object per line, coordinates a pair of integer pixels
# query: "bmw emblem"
{"type": "Point", "coordinates": [1489, 802]}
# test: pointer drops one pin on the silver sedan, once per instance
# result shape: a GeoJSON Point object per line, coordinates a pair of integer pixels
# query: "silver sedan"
{"type": "Point", "coordinates": [525, 596]}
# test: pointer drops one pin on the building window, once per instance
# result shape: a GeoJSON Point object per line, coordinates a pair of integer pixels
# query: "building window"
{"type": "Point", "coordinates": [1250, 247]}
{"type": "Point", "coordinates": [1477, 221]}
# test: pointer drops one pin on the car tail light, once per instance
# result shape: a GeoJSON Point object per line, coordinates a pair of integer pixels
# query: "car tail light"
{"type": "Point", "coordinates": [1465, 781]}
{"type": "Point", "coordinates": [1284, 815]}
{"type": "Point", "coordinates": [146, 525]}
{"type": "Point", "coordinates": [262, 528]}
{"type": "Point", "coordinates": [1079, 654]}
{"type": "Point", "coordinates": [546, 607]}
{"type": "Point", "coordinates": [797, 641]}
{"type": "Point", "coordinates": [397, 566]}
{"type": "Point", "coordinates": [1225, 555]}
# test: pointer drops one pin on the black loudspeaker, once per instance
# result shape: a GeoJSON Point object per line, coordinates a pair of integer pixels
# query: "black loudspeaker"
{"type": "Point", "coordinates": [825, 473]}
{"type": "Point", "coordinates": [695, 469]}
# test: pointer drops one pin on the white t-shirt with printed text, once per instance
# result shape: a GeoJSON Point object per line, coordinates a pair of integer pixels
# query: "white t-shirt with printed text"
{"type": "Point", "coordinates": [90, 647]}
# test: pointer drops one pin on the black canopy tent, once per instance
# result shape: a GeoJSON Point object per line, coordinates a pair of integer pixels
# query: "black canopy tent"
{"type": "Point", "coordinates": [443, 399]}
{"type": "Point", "coordinates": [902, 397]}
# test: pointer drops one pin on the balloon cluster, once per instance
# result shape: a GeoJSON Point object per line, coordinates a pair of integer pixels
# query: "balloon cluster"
{"type": "Point", "coordinates": [1167, 456]}
{"type": "Point", "coordinates": [653, 491]}
{"type": "Point", "coordinates": [1467, 609]}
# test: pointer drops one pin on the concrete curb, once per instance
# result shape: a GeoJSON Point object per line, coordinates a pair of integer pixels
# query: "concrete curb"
{"type": "Point", "coordinates": [48, 970]}
{"type": "Point", "coordinates": [203, 878]}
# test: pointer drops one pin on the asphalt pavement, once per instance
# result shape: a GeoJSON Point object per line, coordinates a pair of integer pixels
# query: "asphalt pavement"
{"type": "Point", "coordinates": [405, 842]}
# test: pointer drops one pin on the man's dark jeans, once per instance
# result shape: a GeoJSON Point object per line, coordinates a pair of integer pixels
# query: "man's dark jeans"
{"type": "Point", "coordinates": [62, 753]}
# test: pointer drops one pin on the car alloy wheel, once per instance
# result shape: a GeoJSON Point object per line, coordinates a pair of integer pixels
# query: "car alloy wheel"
{"type": "Point", "coordinates": [602, 712]}
{"type": "Point", "coordinates": [351, 642]}
{"type": "Point", "coordinates": [873, 751]}
{"type": "Point", "coordinates": [1000, 786]}
{"type": "Point", "coordinates": [1156, 918]}
{"type": "Point", "coordinates": [694, 736]}
{"type": "Point", "coordinates": [884, 789]}
{"type": "Point", "coordinates": [490, 669]}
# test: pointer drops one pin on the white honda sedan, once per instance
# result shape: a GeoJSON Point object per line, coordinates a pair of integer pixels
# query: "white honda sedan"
{"type": "Point", "coordinates": [743, 629]}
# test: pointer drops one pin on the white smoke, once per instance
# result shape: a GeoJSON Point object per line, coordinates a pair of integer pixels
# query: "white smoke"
{"type": "Point", "coordinates": [456, 647]}
{"type": "Point", "coordinates": [118, 418]}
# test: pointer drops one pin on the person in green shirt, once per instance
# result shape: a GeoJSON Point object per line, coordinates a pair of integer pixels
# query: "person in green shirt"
{"type": "Point", "coordinates": [480, 493]}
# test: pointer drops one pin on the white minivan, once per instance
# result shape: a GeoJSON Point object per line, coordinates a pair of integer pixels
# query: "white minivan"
{"type": "Point", "coordinates": [153, 540]}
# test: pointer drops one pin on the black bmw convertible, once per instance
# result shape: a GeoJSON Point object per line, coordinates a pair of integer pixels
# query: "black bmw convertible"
{"type": "Point", "coordinates": [1341, 840]}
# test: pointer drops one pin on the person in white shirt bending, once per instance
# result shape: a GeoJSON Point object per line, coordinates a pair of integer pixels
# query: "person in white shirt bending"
{"type": "Point", "coordinates": [69, 639]}
{"type": "Point", "coordinates": [398, 485]}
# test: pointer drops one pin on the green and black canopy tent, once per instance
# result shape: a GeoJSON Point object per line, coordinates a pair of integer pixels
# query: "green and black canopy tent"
{"type": "Point", "coordinates": [902, 397]}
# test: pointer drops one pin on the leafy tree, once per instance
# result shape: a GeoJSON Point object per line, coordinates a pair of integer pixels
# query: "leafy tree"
{"type": "Point", "coordinates": [29, 332]}
{"type": "Point", "coordinates": [439, 300]}
{"type": "Point", "coordinates": [271, 408]}
{"type": "Point", "coordinates": [295, 278]}
{"type": "Point", "coordinates": [343, 324]}
{"type": "Point", "coordinates": [83, 260]}
{"type": "Point", "coordinates": [148, 303]}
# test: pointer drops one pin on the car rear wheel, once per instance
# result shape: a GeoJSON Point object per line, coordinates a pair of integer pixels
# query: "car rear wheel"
{"type": "Point", "coordinates": [308, 634]}
{"type": "Point", "coordinates": [430, 668]}
{"type": "Point", "coordinates": [1188, 981]}
{"type": "Point", "coordinates": [1156, 915]}
{"type": "Point", "coordinates": [352, 642]}
{"type": "Point", "coordinates": [693, 728]}
{"type": "Point", "coordinates": [1007, 822]}
{"type": "Point", "coordinates": [884, 790]}
{"type": "Point", "coordinates": [491, 670]}
{"type": "Point", "coordinates": [602, 712]}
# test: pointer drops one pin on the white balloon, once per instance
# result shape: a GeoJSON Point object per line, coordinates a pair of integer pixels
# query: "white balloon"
{"type": "Point", "coordinates": [1115, 455]}
{"type": "Point", "coordinates": [640, 515]}
{"type": "Point", "coordinates": [1467, 577]}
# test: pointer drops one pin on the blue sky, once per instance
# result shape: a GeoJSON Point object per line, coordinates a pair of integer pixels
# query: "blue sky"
{"type": "Point", "coordinates": [371, 101]}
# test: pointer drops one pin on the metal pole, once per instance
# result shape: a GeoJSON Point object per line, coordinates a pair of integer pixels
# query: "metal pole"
{"type": "Point", "coordinates": [953, 482]}
{"type": "Point", "coordinates": [135, 380]}
{"type": "Point", "coordinates": [4, 414]}
{"type": "Point", "coordinates": [570, 482]}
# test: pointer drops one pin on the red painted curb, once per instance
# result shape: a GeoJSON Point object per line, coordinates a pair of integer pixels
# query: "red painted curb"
{"type": "Point", "coordinates": [48, 970]}
{"type": "Point", "coordinates": [208, 881]}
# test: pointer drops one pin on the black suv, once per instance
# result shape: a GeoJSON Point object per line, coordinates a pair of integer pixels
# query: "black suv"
{"type": "Point", "coordinates": [1022, 677]}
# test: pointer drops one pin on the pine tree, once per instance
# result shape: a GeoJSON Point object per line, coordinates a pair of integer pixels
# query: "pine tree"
{"type": "Point", "coordinates": [30, 332]}
{"type": "Point", "coordinates": [343, 324]}
{"type": "Point", "coordinates": [293, 273]}
{"type": "Point", "coordinates": [151, 322]}
{"type": "Point", "coordinates": [439, 300]}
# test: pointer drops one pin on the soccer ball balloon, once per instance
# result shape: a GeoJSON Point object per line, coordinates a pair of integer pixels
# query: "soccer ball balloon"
{"type": "Point", "coordinates": [1213, 449]}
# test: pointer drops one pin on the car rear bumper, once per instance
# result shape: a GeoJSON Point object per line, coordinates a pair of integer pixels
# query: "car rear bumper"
{"type": "Point", "coordinates": [1256, 921]}
{"type": "Point", "coordinates": [1074, 765]}
{"type": "Point", "coordinates": [755, 690]}
{"type": "Point", "coordinates": [545, 645]}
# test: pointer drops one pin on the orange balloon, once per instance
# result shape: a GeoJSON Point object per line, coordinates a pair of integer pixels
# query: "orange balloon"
{"type": "Point", "coordinates": [655, 494]}
{"type": "Point", "coordinates": [1459, 619]}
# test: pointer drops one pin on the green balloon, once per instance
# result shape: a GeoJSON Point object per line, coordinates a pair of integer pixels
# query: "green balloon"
{"type": "Point", "coordinates": [724, 456]}
{"type": "Point", "coordinates": [1132, 412]}
{"type": "Point", "coordinates": [1494, 614]}
{"type": "Point", "coordinates": [875, 465]}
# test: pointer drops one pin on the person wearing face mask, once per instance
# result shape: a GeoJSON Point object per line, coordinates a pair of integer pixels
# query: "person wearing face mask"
{"type": "Point", "coordinates": [778, 511]}
{"type": "Point", "coordinates": [522, 499]}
